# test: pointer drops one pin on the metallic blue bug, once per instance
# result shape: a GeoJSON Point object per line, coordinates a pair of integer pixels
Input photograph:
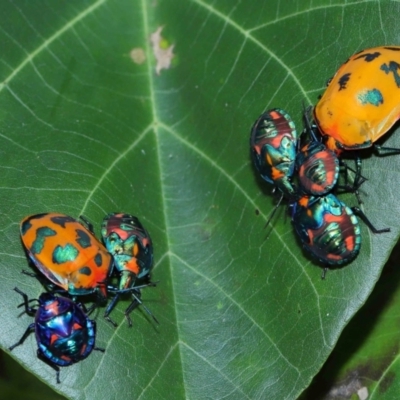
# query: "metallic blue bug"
{"type": "Point", "coordinates": [328, 229]}
{"type": "Point", "coordinates": [64, 333]}
{"type": "Point", "coordinates": [131, 247]}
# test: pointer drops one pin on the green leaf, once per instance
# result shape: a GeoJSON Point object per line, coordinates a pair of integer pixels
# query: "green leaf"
{"type": "Point", "coordinates": [89, 125]}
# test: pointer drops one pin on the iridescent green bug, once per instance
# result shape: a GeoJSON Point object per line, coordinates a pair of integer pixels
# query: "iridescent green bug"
{"type": "Point", "coordinates": [132, 249]}
{"type": "Point", "coordinates": [328, 229]}
{"type": "Point", "coordinates": [273, 144]}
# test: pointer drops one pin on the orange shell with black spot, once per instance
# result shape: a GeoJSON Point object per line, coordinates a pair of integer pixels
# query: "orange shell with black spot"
{"type": "Point", "coordinates": [66, 252]}
{"type": "Point", "coordinates": [362, 101]}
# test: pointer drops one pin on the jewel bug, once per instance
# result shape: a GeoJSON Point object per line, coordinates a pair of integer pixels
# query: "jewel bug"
{"type": "Point", "coordinates": [131, 247]}
{"type": "Point", "coordinates": [64, 333]}
{"type": "Point", "coordinates": [361, 102]}
{"type": "Point", "coordinates": [273, 144]}
{"type": "Point", "coordinates": [328, 229]}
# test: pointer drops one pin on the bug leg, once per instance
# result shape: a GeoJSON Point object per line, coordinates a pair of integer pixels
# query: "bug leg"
{"type": "Point", "coordinates": [150, 284]}
{"type": "Point", "coordinates": [56, 368]}
{"type": "Point", "coordinates": [81, 306]}
{"type": "Point", "coordinates": [29, 310]}
{"type": "Point", "coordinates": [41, 279]}
{"type": "Point", "coordinates": [385, 151]}
{"type": "Point", "coordinates": [357, 211]}
{"type": "Point", "coordinates": [29, 330]}
{"type": "Point", "coordinates": [31, 274]}
{"type": "Point", "coordinates": [329, 81]}
{"type": "Point", "coordinates": [109, 308]}
{"type": "Point", "coordinates": [89, 310]}
{"type": "Point", "coordinates": [130, 308]}
{"type": "Point", "coordinates": [309, 127]}
{"type": "Point", "coordinates": [324, 273]}
{"type": "Point", "coordinates": [23, 304]}
{"type": "Point", "coordinates": [88, 224]}
{"type": "Point", "coordinates": [113, 323]}
{"type": "Point", "coordinates": [97, 348]}
{"type": "Point", "coordinates": [100, 300]}
{"type": "Point", "coordinates": [358, 179]}
{"type": "Point", "coordinates": [135, 303]}
{"type": "Point", "coordinates": [50, 287]}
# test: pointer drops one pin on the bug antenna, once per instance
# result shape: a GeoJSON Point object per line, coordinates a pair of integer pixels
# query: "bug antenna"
{"type": "Point", "coordinates": [273, 212]}
{"type": "Point", "coordinates": [307, 121]}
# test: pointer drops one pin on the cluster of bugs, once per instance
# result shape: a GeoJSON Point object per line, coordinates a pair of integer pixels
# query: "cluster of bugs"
{"type": "Point", "coordinates": [73, 263]}
{"type": "Point", "coordinates": [357, 108]}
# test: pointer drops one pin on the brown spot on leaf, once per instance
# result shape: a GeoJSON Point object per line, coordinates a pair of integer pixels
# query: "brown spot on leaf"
{"type": "Point", "coordinates": [162, 52]}
{"type": "Point", "coordinates": [138, 55]}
